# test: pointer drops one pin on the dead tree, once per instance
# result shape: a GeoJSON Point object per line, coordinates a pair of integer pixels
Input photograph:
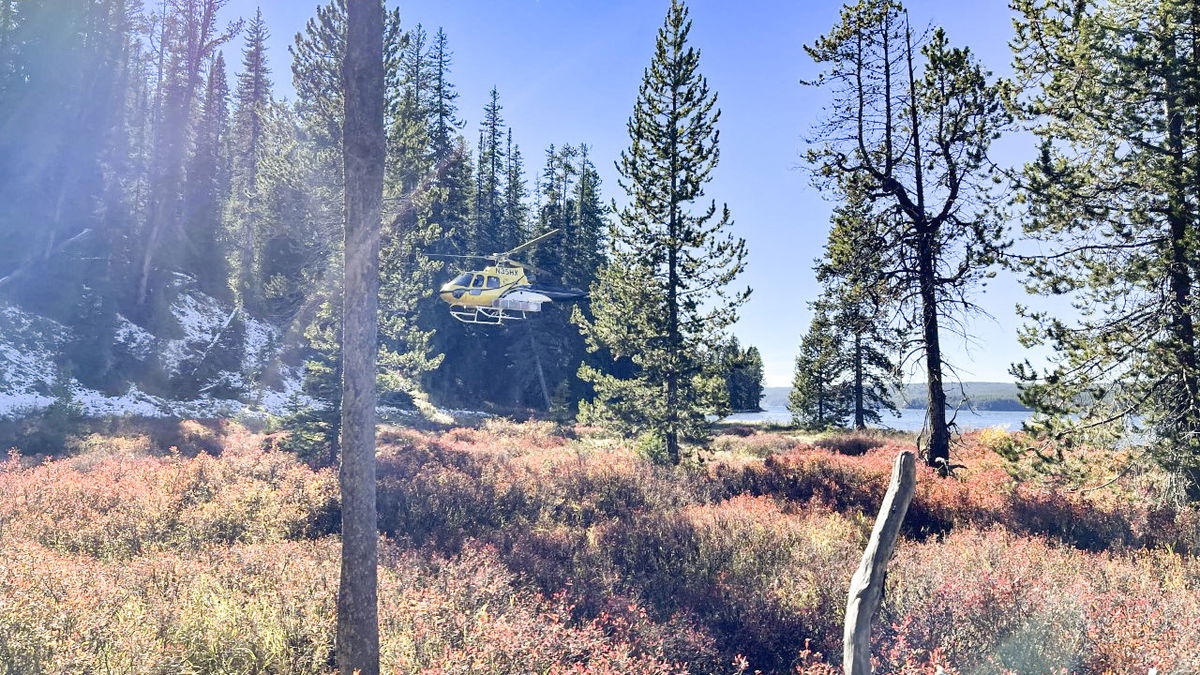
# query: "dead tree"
{"type": "Point", "coordinates": [866, 586]}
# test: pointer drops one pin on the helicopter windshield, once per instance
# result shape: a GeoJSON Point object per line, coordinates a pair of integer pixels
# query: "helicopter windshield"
{"type": "Point", "coordinates": [463, 279]}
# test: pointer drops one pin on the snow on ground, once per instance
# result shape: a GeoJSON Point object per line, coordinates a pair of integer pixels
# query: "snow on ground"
{"type": "Point", "coordinates": [137, 340]}
{"type": "Point", "coordinates": [292, 392]}
{"type": "Point", "coordinates": [201, 318]}
{"type": "Point", "coordinates": [29, 344]}
{"type": "Point", "coordinates": [260, 341]}
{"type": "Point", "coordinates": [133, 402]}
{"type": "Point", "coordinates": [27, 347]}
{"type": "Point", "coordinates": [17, 403]}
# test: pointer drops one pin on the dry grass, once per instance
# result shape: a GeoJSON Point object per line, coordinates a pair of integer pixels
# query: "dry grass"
{"type": "Point", "coordinates": [528, 548]}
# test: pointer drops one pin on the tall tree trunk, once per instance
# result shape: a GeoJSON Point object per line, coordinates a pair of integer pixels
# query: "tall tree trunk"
{"type": "Point", "coordinates": [246, 277]}
{"type": "Point", "coordinates": [673, 340]}
{"type": "Point", "coordinates": [821, 402]}
{"type": "Point", "coordinates": [938, 452]}
{"type": "Point", "coordinates": [537, 363]}
{"type": "Point", "coordinates": [363, 162]}
{"type": "Point", "coordinates": [1182, 325]}
{"type": "Point", "coordinates": [859, 414]}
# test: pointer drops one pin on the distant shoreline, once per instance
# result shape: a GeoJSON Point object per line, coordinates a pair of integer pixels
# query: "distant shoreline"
{"type": "Point", "coordinates": [990, 396]}
{"type": "Point", "coordinates": [998, 404]}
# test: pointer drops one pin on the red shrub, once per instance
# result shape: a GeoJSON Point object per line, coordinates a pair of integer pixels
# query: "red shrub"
{"type": "Point", "coordinates": [123, 506]}
{"type": "Point", "coordinates": [523, 550]}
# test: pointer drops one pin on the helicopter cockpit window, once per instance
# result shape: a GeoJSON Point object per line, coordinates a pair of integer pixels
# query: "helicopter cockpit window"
{"type": "Point", "coordinates": [477, 282]}
{"type": "Point", "coordinates": [493, 282]}
{"type": "Point", "coordinates": [463, 279]}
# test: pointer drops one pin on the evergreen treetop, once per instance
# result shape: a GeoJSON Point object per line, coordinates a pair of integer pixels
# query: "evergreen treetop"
{"type": "Point", "coordinates": [662, 299]}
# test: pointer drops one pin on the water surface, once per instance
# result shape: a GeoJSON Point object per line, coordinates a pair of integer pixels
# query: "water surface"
{"type": "Point", "coordinates": [909, 419]}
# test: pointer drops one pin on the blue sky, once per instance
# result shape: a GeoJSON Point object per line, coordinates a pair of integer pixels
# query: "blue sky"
{"type": "Point", "coordinates": [568, 72]}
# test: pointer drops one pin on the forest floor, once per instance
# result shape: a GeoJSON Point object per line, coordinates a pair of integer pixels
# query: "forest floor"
{"type": "Point", "coordinates": [519, 548]}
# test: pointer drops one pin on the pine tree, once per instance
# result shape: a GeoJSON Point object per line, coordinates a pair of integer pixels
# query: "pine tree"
{"type": "Point", "coordinates": [296, 226]}
{"type": "Point", "coordinates": [864, 304]}
{"type": "Point", "coordinates": [444, 112]}
{"type": "Point", "coordinates": [409, 98]}
{"type": "Point", "coordinates": [476, 357]}
{"type": "Point", "coordinates": [448, 154]}
{"type": "Point", "coordinates": [752, 378]}
{"type": "Point", "coordinates": [586, 244]}
{"type": "Point", "coordinates": [543, 359]}
{"type": "Point", "coordinates": [451, 210]}
{"type": "Point", "coordinates": [513, 216]}
{"type": "Point", "coordinates": [253, 98]}
{"type": "Point", "coordinates": [820, 398]}
{"type": "Point", "coordinates": [662, 298]}
{"type": "Point", "coordinates": [1112, 199]}
{"type": "Point", "coordinates": [413, 191]}
{"type": "Point", "coordinates": [316, 69]}
{"type": "Point", "coordinates": [189, 39]}
{"type": "Point", "coordinates": [208, 184]}
{"type": "Point", "coordinates": [454, 213]}
{"type": "Point", "coordinates": [314, 430]}
{"type": "Point", "coordinates": [925, 154]}
{"type": "Point", "coordinates": [64, 77]}
{"type": "Point", "coordinates": [490, 175]}
{"type": "Point", "coordinates": [743, 371]}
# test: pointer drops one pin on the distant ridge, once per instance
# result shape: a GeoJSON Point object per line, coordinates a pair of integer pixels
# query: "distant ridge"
{"type": "Point", "coordinates": [981, 395]}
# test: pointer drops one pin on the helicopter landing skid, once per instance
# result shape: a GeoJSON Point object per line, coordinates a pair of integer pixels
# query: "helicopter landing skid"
{"type": "Point", "coordinates": [486, 316]}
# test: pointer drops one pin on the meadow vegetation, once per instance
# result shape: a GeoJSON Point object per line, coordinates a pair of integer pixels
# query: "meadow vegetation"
{"type": "Point", "coordinates": [518, 548]}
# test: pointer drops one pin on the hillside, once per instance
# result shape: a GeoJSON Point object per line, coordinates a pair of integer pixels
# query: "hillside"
{"type": "Point", "coordinates": [206, 361]}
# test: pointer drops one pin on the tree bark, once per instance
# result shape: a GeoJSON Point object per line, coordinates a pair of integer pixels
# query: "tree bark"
{"type": "Point", "coordinates": [673, 337]}
{"type": "Point", "coordinates": [537, 363]}
{"type": "Point", "coordinates": [866, 586]}
{"type": "Point", "coordinates": [363, 159]}
{"type": "Point", "coordinates": [937, 452]}
{"type": "Point", "coordinates": [860, 421]}
{"type": "Point", "coordinates": [1182, 326]}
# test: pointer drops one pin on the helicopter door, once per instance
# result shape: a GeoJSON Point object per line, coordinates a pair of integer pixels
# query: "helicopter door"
{"type": "Point", "coordinates": [493, 282]}
{"type": "Point", "coordinates": [477, 284]}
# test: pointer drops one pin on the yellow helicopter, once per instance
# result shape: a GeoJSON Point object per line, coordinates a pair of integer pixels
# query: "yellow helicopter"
{"type": "Point", "coordinates": [502, 291]}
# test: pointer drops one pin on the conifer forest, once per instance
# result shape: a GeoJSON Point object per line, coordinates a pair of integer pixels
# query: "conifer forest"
{"type": "Point", "coordinates": [323, 350]}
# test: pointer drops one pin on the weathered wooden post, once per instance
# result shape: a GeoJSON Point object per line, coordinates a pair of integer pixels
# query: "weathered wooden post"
{"type": "Point", "coordinates": [866, 586]}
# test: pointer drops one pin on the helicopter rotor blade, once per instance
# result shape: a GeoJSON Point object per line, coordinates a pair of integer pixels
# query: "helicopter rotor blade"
{"type": "Point", "coordinates": [467, 257]}
{"type": "Point", "coordinates": [531, 242]}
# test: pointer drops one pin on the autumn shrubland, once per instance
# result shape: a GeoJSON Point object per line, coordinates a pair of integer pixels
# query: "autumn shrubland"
{"type": "Point", "coordinates": [532, 548]}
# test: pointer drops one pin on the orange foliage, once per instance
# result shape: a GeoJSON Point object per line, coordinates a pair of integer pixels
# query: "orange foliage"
{"type": "Point", "coordinates": [526, 548]}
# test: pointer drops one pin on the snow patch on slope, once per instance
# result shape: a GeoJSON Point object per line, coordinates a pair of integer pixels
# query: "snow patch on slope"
{"type": "Point", "coordinates": [29, 345]}
{"type": "Point", "coordinates": [137, 340]}
{"type": "Point", "coordinates": [202, 320]}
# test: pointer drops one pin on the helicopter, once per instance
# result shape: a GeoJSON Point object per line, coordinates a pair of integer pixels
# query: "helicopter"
{"type": "Point", "coordinates": [503, 290]}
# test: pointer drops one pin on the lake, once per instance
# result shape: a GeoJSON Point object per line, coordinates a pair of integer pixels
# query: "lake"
{"type": "Point", "coordinates": [909, 420]}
